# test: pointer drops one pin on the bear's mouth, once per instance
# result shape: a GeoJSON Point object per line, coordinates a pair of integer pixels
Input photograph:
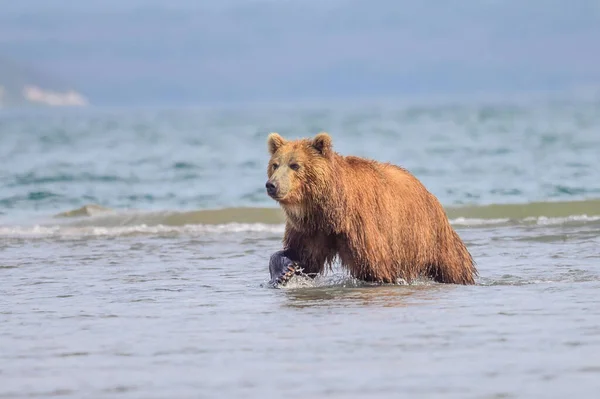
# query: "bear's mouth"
{"type": "Point", "coordinates": [278, 196]}
{"type": "Point", "coordinates": [274, 196]}
{"type": "Point", "coordinates": [282, 200]}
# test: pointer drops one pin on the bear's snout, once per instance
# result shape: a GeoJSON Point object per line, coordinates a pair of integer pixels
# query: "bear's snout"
{"type": "Point", "coordinates": [271, 188]}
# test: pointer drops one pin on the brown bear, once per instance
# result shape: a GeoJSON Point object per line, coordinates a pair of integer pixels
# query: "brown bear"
{"type": "Point", "coordinates": [378, 218]}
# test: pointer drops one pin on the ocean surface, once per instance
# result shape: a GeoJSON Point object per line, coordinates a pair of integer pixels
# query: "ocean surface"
{"type": "Point", "coordinates": [134, 247]}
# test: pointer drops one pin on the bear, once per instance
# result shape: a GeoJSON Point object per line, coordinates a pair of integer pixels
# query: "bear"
{"type": "Point", "coordinates": [377, 218]}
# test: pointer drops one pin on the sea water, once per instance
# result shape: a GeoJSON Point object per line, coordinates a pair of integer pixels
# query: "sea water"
{"type": "Point", "coordinates": [134, 247]}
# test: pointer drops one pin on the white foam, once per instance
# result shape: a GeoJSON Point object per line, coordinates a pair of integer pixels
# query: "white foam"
{"type": "Point", "coordinates": [538, 220]}
{"type": "Point", "coordinates": [543, 220]}
{"type": "Point", "coordinates": [461, 221]}
{"type": "Point", "coordinates": [96, 231]}
{"type": "Point", "coordinates": [69, 231]}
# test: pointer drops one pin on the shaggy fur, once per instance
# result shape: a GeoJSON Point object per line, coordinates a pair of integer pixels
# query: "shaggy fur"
{"type": "Point", "coordinates": [376, 217]}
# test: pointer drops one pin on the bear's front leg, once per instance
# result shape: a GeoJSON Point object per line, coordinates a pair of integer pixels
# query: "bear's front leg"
{"type": "Point", "coordinates": [282, 268]}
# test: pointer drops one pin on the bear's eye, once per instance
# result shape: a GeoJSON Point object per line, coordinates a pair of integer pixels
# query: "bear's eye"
{"type": "Point", "coordinates": [295, 166]}
{"type": "Point", "coordinates": [275, 166]}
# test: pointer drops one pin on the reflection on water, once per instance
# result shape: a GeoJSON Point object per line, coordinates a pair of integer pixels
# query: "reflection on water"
{"type": "Point", "coordinates": [365, 295]}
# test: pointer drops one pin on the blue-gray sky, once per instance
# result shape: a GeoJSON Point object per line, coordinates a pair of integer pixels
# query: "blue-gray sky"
{"type": "Point", "coordinates": [150, 51]}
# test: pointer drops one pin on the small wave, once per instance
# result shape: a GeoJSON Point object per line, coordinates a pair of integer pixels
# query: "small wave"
{"type": "Point", "coordinates": [496, 214]}
{"type": "Point", "coordinates": [100, 216]}
{"type": "Point", "coordinates": [58, 231]}
{"type": "Point", "coordinates": [540, 221]}
{"type": "Point", "coordinates": [461, 221]}
{"type": "Point", "coordinates": [549, 209]}
{"type": "Point", "coordinates": [96, 220]}
{"type": "Point", "coordinates": [86, 210]}
{"type": "Point", "coordinates": [543, 220]}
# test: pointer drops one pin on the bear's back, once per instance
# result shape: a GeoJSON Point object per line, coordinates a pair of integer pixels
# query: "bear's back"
{"type": "Point", "coordinates": [394, 177]}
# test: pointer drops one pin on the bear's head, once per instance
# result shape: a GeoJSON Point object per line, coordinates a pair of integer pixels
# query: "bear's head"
{"type": "Point", "coordinates": [299, 170]}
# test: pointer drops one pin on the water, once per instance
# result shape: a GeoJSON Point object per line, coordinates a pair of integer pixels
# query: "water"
{"type": "Point", "coordinates": [134, 248]}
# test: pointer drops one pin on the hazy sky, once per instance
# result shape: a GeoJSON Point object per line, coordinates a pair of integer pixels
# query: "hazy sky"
{"type": "Point", "coordinates": [144, 51]}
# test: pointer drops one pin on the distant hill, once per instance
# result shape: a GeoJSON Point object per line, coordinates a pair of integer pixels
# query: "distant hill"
{"type": "Point", "coordinates": [22, 85]}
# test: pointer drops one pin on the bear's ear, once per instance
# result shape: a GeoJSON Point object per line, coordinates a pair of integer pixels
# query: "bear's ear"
{"type": "Point", "coordinates": [274, 142]}
{"type": "Point", "coordinates": [322, 143]}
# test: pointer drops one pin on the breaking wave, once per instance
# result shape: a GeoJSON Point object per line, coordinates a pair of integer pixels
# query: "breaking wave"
{"type": "Point", "coordinates": [94, 220]}
{"type": "Point", "coordinates": [66, 231]}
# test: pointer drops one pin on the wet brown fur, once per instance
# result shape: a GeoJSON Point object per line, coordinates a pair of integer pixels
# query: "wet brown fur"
{"type": "Point", "coordinates": [377, 217]}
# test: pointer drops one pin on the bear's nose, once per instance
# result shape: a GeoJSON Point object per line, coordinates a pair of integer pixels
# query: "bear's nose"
{"type": "Point", "coordinates": [271, 187]}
